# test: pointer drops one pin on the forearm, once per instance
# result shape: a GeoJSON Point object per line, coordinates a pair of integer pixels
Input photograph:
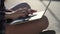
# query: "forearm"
{"type": "Point", "coordinates": [31, 27]}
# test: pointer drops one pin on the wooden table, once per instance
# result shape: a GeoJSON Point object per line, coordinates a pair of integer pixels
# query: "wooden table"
{"type": "Point", "coordinates": [31, 27]}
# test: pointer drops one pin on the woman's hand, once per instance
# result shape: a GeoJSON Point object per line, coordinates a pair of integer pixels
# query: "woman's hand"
{"type": "Point", "coordinates": [22, 12]}
{"type": "Point", "coordinates": [31, 11]}
{"type": "Point", "coordinates": [15, 15]}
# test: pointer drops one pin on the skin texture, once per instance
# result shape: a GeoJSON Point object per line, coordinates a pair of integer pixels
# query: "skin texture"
{"type": "Point", "coordinates": [32, 27]}
{"type": "Point", "coordinates": [22, 12]}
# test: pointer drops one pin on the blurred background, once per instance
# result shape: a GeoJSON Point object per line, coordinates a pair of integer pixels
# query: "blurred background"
{"type": "Point", "coordinates": [53, 15]}
{"type": "Point", "coordinates": [53, 12]}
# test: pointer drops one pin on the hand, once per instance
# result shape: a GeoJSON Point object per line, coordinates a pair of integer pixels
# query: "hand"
{"type": "Point", "coordinates": [18, 13]}
{"type": "Point", "coordinates": [31, 11]}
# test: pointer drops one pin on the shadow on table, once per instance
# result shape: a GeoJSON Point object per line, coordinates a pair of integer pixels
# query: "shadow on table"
{"type": "Point", "coordinates": [49, 32]}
